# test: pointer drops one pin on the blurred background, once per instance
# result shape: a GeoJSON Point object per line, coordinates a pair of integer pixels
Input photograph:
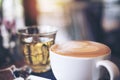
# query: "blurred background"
{"type": "Point", "coordinates": [97, 20]}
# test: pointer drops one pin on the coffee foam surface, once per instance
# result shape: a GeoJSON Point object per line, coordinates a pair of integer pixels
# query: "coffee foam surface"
{"type": "Point", "coordinates": [81, 49]}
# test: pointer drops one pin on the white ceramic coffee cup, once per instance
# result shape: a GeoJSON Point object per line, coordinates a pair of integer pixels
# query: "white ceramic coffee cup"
{"type": "Point", "coordinates": [81, 68]}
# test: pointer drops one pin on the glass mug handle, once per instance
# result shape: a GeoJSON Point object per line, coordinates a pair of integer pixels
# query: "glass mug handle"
{"type": "Point", "coordinates": [111, 67]}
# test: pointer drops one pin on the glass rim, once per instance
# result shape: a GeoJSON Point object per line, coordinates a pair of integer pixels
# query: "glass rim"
{"type": "Point", "coordinates": [51, 31]}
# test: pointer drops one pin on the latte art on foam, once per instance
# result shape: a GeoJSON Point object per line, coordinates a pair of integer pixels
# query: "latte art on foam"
{"type": "Point", "coordinates": [81, 49]}
{"type": "Point", "coordinates": [86, 49]}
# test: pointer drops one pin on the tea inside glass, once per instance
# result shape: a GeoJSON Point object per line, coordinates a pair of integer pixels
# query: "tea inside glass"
{"type": "Point", "coordinates": [35, 44]}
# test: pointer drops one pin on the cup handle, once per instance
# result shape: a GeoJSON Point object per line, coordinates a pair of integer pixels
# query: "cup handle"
{"type": "Point", "coordinates": [111, 67]}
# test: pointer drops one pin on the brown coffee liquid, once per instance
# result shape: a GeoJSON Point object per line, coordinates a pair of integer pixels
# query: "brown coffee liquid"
{"type": "Point", "coordinates": [81, 49]}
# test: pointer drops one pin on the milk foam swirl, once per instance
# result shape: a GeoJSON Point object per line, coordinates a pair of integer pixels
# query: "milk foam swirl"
{"type": "Point", "coordinates": [81, 49]}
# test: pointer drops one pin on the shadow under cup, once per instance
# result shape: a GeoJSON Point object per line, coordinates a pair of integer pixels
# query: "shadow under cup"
{"type": "Point", "coordinates": [35, 43]}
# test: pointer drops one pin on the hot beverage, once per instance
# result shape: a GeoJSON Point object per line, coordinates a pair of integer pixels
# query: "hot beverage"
{"type": "Point", "coordinates": [81, 49]}
{"type": "Point", "coordinates": [81, 60]}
